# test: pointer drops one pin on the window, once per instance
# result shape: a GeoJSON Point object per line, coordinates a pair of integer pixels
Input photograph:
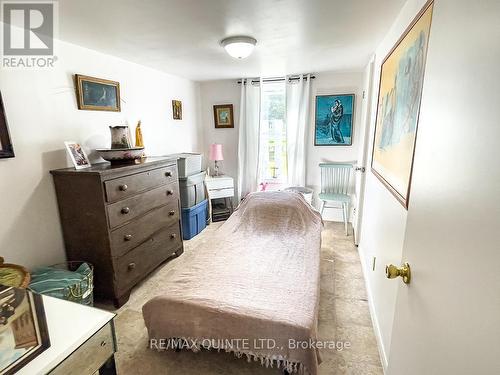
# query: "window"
{"type": "Point", "coordinates": [273, 158]}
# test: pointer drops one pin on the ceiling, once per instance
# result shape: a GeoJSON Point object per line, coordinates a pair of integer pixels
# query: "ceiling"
{"type": "Point", "coordinates": [182, 36]}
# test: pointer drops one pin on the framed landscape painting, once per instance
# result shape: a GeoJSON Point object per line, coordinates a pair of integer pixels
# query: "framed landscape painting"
{"type": "Point", "coordinates": [223, 116]}
{"type": "Point", "coordinates": [400, 92]}
{"type": "Point", "coordinates": [333, 120]}
{"type": "Point", "coordinates": [97, 94]}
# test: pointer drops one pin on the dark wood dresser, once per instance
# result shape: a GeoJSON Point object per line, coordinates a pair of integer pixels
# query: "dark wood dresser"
{"type": "Point", "coordinates": [125, 220]}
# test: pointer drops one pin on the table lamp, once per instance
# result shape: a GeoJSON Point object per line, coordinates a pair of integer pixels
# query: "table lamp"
{"type": "Point", "coordinates": [216, 155]}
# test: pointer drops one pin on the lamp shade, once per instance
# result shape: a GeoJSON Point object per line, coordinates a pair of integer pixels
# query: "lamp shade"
{"type": "Point", "coordinates": [216, 152]}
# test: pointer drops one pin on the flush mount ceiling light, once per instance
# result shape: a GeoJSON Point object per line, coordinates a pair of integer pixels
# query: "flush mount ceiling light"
{"type": "Point", "coordinates": [239, 47]}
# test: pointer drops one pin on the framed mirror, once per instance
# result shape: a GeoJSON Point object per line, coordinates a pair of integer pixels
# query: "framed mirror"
{"type": "Point", "coordinates": [6, 149]}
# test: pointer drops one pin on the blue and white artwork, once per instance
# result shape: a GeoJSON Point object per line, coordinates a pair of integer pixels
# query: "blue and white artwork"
{"type": "Point", "coordinates": [333, 123]}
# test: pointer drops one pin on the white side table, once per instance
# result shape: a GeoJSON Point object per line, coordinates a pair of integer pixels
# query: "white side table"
{"type": "Point", "coordinates": [82, 341]}
{"type": "Point", "coordinates": [220, 187]}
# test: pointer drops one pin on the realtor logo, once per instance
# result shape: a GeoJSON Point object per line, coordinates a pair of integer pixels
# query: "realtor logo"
{"type": "Point", "coordinates": [28, 34]}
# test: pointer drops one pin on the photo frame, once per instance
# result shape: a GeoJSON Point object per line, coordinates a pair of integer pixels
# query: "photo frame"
{"type": "Point", "coordinates": [398, 108]}
{"type": "Point", "coordinates": [6, 148]}
{"type": "Point", "coordinates": [77, 155]}
{"type": "Point", "coordinates": [23, 332]}
{"type": "Point", "coordinates": [333, 121]}
{"type": "Point", "coordinates": [177, 109]}
{"type": "Point", "coordinates": [96, 94]}
{"type": "Point", "coordinates": [223, 116]}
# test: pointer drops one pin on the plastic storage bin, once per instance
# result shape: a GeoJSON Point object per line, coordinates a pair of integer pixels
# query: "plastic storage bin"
{"type": "Point", "coordinates": [188, 164]}
{"type": "Point", "coordinates": [194, 220]}
{"type": "Point", "coordinates": [192, 190]}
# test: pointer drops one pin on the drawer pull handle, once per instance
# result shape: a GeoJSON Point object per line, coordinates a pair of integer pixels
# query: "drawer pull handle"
{"type": "Point", "coordinates": [170, 192]}
{"type": "Point", "coordinates": [172, 213]}
{"type": "Point", "coordinates": [131, 266]}
{"type": "Point", "coordinates": [125, 210]}
{"type": "Point", "coordinates": [123, 187]}
{"type": "Point", "coordinates": [168, 174]}
{"type": "Point", "coordinates": [173, 236]}
{"type": "Point", "coordinates": [128, 237]}
{"type": "Point", "coordinates": [103, 343]}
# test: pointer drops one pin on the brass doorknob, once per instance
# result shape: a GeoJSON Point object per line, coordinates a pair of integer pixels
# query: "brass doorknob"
{"type": "Point", "coordinates": [391, 271]}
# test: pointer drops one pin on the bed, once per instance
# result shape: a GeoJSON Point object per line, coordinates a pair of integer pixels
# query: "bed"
{"type": "Point", "coordinates": [252, 289]}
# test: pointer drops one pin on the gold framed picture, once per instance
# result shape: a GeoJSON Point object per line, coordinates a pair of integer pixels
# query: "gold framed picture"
{"type": "Point", "coordinates": [398, 109]}
{"type": "Point", "coordinates": [177, 109]}
{"type": "Point", "coordinates": [96, 94]}
{"type": "Point", "coordinates": [223, 116]}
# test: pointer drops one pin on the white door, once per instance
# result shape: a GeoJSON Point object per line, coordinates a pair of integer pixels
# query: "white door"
{"type": "Point", "coordinates": [361, 167]}
{"type": "Point", "coordinates": [447, 320]}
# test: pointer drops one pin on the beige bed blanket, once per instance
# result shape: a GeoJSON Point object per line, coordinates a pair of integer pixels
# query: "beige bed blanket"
{"type": "Point", "coordinates": [252, 290]}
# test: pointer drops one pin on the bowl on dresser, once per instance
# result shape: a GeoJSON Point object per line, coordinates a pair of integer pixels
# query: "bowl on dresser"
{"type": "Point", "coordinates": [120, 155]}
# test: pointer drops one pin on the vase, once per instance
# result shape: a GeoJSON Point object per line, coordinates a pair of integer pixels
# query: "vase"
{"type": "Point", "coordinates": [120, 137]}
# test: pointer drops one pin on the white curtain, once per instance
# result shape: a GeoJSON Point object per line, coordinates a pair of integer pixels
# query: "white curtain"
{"type": "Point", "coordinates": [297, 121]}
{"type": "Point", "coordinates": [248, 140]}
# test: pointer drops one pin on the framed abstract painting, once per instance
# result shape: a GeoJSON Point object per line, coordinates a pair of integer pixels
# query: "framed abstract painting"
{"type": "Point", "coordinates": [400, 92]}
{"type": "Point", "coordinates": [333, 120]}
{"type": "Point", "coordinates": [177, 109]}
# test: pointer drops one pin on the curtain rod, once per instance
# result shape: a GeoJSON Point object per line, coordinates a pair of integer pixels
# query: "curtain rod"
{"type": "Point", "coordinates": [277, 79]}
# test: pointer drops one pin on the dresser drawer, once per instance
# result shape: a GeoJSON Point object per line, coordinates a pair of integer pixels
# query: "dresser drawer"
{"type": "Point", "coordinates": [90, 356]}
{"type": "Point", "coordinates": [132, 234]}
{"type": "Point", "coordinates": [127, 186]}
{"type": "Point", "coordinates": [137, 263]}
{"type": "Point", "coordinates": [130, 208]}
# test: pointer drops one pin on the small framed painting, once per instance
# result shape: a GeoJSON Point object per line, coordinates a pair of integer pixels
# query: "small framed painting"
{"type": "Point", "coordinates": [6, 149]}
{"type": "Point", "coordinates": [77, 155]}
{"type": "Point", "coordinates": [23, 332]}
{"type": "Point", "coordinates": [96, 94]}
{"type": "Point", "coordinates": [333, 121]}
{"type": "Point", "coordinates": [223, 116]}
{"type": "Point", "coordinates": [177, 109]}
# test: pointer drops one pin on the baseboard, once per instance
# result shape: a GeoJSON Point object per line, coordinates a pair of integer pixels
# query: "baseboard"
{"type": "Point", "coordinates": [373, 314]}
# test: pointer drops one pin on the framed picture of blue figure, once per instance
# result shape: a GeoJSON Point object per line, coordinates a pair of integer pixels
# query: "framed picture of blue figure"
{"type": "Point", "coordinates": [333, 120]}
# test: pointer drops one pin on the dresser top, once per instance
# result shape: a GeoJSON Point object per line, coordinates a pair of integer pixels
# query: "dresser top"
{"type": "Point", "coordinates": [108, 168]}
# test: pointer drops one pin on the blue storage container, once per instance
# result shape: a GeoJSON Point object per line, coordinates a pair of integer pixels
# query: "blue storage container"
{"type": "Point", "coordinates": [194, 220]}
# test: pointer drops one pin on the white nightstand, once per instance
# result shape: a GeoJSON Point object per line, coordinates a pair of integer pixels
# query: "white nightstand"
{"type": "Point", "coordinates": [220, 187]}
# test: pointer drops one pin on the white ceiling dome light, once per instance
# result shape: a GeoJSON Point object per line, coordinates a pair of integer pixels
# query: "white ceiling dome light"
{"type": "Point", "coordinates": [239, 47]}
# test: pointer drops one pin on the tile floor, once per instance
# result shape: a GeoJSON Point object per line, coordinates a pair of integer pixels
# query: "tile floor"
{"type": "Point", "coordinates": [343, 316]}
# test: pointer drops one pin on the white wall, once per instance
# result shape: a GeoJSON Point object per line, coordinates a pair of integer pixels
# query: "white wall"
{"type": "Point", "coordinates": [324, 84]}
{"type": "Point", "coordinates": [228, 91]}
{"type": "Point", "coordinates": [384, 218]}
{"type": "Point", "coordinates": [42, 113]}
{"type": "Point", "coordinates": [220, 92]}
